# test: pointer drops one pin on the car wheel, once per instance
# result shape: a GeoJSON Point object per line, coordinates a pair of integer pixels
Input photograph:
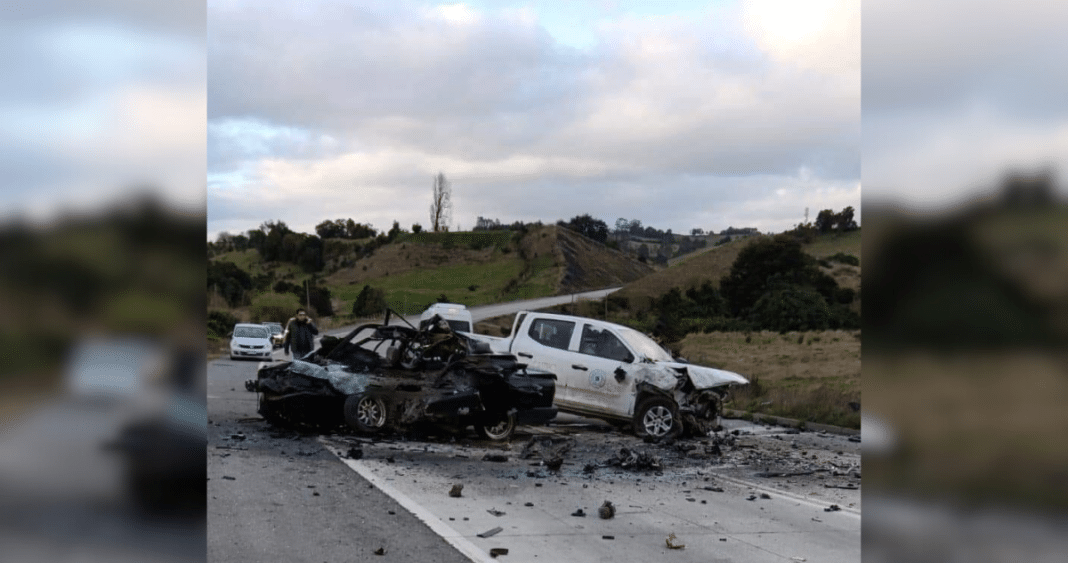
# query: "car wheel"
{"type": "Point", "coordinates": [496, 427]}
{"type": "Point", "coordinates": [657, 417]}
{"type": "Point", "coordinates": [365, 413]}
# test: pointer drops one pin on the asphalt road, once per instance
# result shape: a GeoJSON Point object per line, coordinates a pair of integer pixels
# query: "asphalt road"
{"type": "Point", "coordinates": [280, 496]}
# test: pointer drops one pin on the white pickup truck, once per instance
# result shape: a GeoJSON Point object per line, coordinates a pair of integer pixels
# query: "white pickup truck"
{"type": "Point", "coordinates": [618, 374]}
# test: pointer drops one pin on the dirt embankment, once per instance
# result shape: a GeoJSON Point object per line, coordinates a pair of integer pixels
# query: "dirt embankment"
{"type": "Point", "coordinates": [588, 265]}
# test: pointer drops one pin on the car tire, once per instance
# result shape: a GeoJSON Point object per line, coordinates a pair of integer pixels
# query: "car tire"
{"type": "Point", "coordinates": [496, 427]}
{"type": "Point", "coordinates": [366, 413]}
{"type": "Point", "coordinates": [657, 417]}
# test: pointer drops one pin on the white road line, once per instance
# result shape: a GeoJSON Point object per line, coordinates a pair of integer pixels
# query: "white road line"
{"type": "Point", "coordinates": [468, 549]}
{"type": "Point", "coordinates": [792, 496]}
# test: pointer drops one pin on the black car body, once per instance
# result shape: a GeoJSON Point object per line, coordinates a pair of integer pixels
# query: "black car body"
{"type": "Point", "coordinates": [381, 376]}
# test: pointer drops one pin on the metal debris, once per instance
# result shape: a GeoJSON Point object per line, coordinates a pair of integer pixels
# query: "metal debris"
{"type": "Point", "coordinates": [494, 552]}
{"type": "Point", "coordinates": [495, 512]}
{"type": "Point", "coordinates": [832, 508]}
{"type": "Point", "coordinates": [630, 459]}
{"type": "Point", "coordinates": [492, 532]}
{"type": "Point", "coordinates": [672, 543]}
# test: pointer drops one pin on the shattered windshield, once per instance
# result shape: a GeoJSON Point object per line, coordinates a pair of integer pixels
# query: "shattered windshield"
{"type": "Point", "coordinates": [644, 346]}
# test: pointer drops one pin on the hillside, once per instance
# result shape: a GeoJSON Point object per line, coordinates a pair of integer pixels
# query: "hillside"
{"type": "Point", "coordinates": [471, 268]}
{"type": "Point", "coordinates": [716, 262]}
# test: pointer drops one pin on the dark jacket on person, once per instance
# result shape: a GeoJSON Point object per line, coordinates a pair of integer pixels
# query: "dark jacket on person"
{"type": "Point", "coordinates": [300, 336]}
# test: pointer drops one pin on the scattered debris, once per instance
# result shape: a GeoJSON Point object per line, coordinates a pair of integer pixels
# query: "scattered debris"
{"type": "Point", "coordinates": [798, 559]}
{"type": "Point", "coordinates": [607, 510]}
{"type": "Point", "coordinates": [608, 537]}
{"type": "Point", "coordinates": [391, 459]}
{"type": "Point", "coordinates": [765, 496]}
{"type": "Point", "coordinates": [380, 551]}
{"type": "Point", "coordinates": [832, 508]}
{"type": "Point", "coordinates": [493, 532]}
{"type": "Point", "coordinates": [783, 473]}
{"type": "Point", "coordinates": [854, 438]}
{"type": "Point", "coordinates": [529, 504]}
{"type": "Point", "coordinates": [238, 436]}
{"type": "Point", "coordinates": [751, 497]}
{"type": "Point", "coordinates": [495, 458]}
{"type": "Point", "coordinates": [456, 490]}
{"type": "Point", "coordinates": [495, 512]}
{"type": "Point", "coordinates": [847, 487]}
{"type": "Point", "coordinates": [581, 513]}
{"type": "Point", "coordinates": [229, 478]}
{"type": "Point", "coordinates": [554, 464]}
{"type": "Point", "coordinates": [630, 459]}
{"type": "Point", "coordinates": [354, 453]}
{"type": "Point", "coordinates": [714, 489]}
{"type": "Point", "coordinates": [494, 552]}
{"type": "Point", "coordinates": [671, 542]}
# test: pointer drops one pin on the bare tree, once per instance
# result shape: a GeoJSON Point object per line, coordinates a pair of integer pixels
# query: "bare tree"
{"type": "Point", "coordinates": [441, 204]}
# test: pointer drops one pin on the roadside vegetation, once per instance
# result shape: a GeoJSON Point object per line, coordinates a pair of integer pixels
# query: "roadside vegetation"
{"type": "Point", "coordinates": [782, 310]}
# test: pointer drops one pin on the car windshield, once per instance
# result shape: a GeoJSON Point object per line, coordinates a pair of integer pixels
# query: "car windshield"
{"type": "Point", "coordinates": [644, 346]}
{"type": "Point", "coordinates": [250, 332]}
{"type": "Point", "coordinates": [274, 328]}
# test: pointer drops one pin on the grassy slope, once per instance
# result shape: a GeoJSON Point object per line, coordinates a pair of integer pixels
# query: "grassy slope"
{"type": "Point", "coordinates": [470, 268]}
{"type": "Point", "coordinates": [716, 263]}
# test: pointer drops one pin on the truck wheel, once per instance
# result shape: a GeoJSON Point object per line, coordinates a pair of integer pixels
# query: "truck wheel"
{"type": "Point", "coordinates": [365, 413]}
{"type": "Point", "coordinates": [657, 417]}
{"type": "Point", "coordinates": [496, 427]}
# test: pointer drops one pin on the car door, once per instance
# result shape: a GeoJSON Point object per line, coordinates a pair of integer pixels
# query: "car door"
{"type": "Point", "coordinates": [598, 372]}
{"type": "Point", "coordinates": [544, 347]}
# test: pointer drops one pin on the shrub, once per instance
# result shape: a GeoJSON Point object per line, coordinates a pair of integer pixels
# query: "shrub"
{"type": "Point", "coordinates": [370, 301]}
{"type": "Point", "coordinates": [793, 308]}
{"type": "Point", "coordinates": [220, 323]}
{"type": "Point", "coordinates": [273, 307]}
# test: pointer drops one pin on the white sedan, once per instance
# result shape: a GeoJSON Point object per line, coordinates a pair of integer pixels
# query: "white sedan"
{"type": "Point", "coordinates": [250, 341]}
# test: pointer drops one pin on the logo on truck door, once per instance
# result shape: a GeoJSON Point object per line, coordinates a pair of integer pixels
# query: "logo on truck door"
{"type": "Point", "coordinates": [598, 378]}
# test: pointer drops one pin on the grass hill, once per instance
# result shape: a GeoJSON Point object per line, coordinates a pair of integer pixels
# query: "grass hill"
{"type": "Point", "coordinates": [716, 262]}
{"type": "Point", "coordinates": [469, 267]}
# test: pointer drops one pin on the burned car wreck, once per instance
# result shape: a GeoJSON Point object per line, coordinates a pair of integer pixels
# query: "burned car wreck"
{"type": "Point", "coordinates": [389, 377]}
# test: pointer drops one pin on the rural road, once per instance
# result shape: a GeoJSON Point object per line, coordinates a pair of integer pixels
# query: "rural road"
{"type": "Point", "coordinates": [276, 495]}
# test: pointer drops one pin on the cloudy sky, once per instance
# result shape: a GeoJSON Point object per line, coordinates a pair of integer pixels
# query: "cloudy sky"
{"type": "Point", "coordinates": [680, 114]}
{"type": "Point", "coordinates": [959, 92]}
{"type": "Point", "coordinates": [100, 98]}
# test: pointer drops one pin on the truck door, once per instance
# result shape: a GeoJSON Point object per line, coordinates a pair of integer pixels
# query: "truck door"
{"type": "Point", "coordinates": [599, 372]}
{"type": "Point", "coordinates": [544, 347]}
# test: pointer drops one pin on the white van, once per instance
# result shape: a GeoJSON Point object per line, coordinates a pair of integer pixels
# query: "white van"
{"type": "Point", "coordinates": [457, 315]}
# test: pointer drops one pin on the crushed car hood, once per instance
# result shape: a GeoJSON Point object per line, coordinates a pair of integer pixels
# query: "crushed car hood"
{"type": "Point", "coordinates": [706, 377]}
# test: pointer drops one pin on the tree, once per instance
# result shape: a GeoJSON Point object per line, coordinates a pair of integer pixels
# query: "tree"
{"type": "Point", "coordinates": [844, 220]}
{"type": "Point", "coordinates": [417, 228]}
{"type": "Point", "coordinates": [697, 232]}
{"type": "Point", "coordinates": [825, 221]}
{"type": "Point", "coordinates": [330, 229]}
{"type": "Point", "coordinates": [440, 204]}
{"type": "Point", "coordinates": [772, 264]}
{"type": "Point", "coordinates": [394, 231]}
{"type": "Point", "coordinates": [587, 226]}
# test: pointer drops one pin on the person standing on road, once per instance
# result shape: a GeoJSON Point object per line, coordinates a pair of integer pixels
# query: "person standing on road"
{"type": "Point", "coordinates": [300, 335]}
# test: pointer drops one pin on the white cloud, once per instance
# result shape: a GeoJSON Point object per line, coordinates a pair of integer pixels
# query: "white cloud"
{"type": "Point", "coordinates": [820, 35]}
{"type": "Point", "coordinates": [312, 104]}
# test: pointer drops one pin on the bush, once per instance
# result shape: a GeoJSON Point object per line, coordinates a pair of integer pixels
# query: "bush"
{"type": "Point", "coordinates": [220, 323]}
{"type": "Point", "coordinates": [273, 307]}
{"type": "Point", "coordinates": [370, 301]}
{"type": "Point", "coordinates": [793, 308]}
